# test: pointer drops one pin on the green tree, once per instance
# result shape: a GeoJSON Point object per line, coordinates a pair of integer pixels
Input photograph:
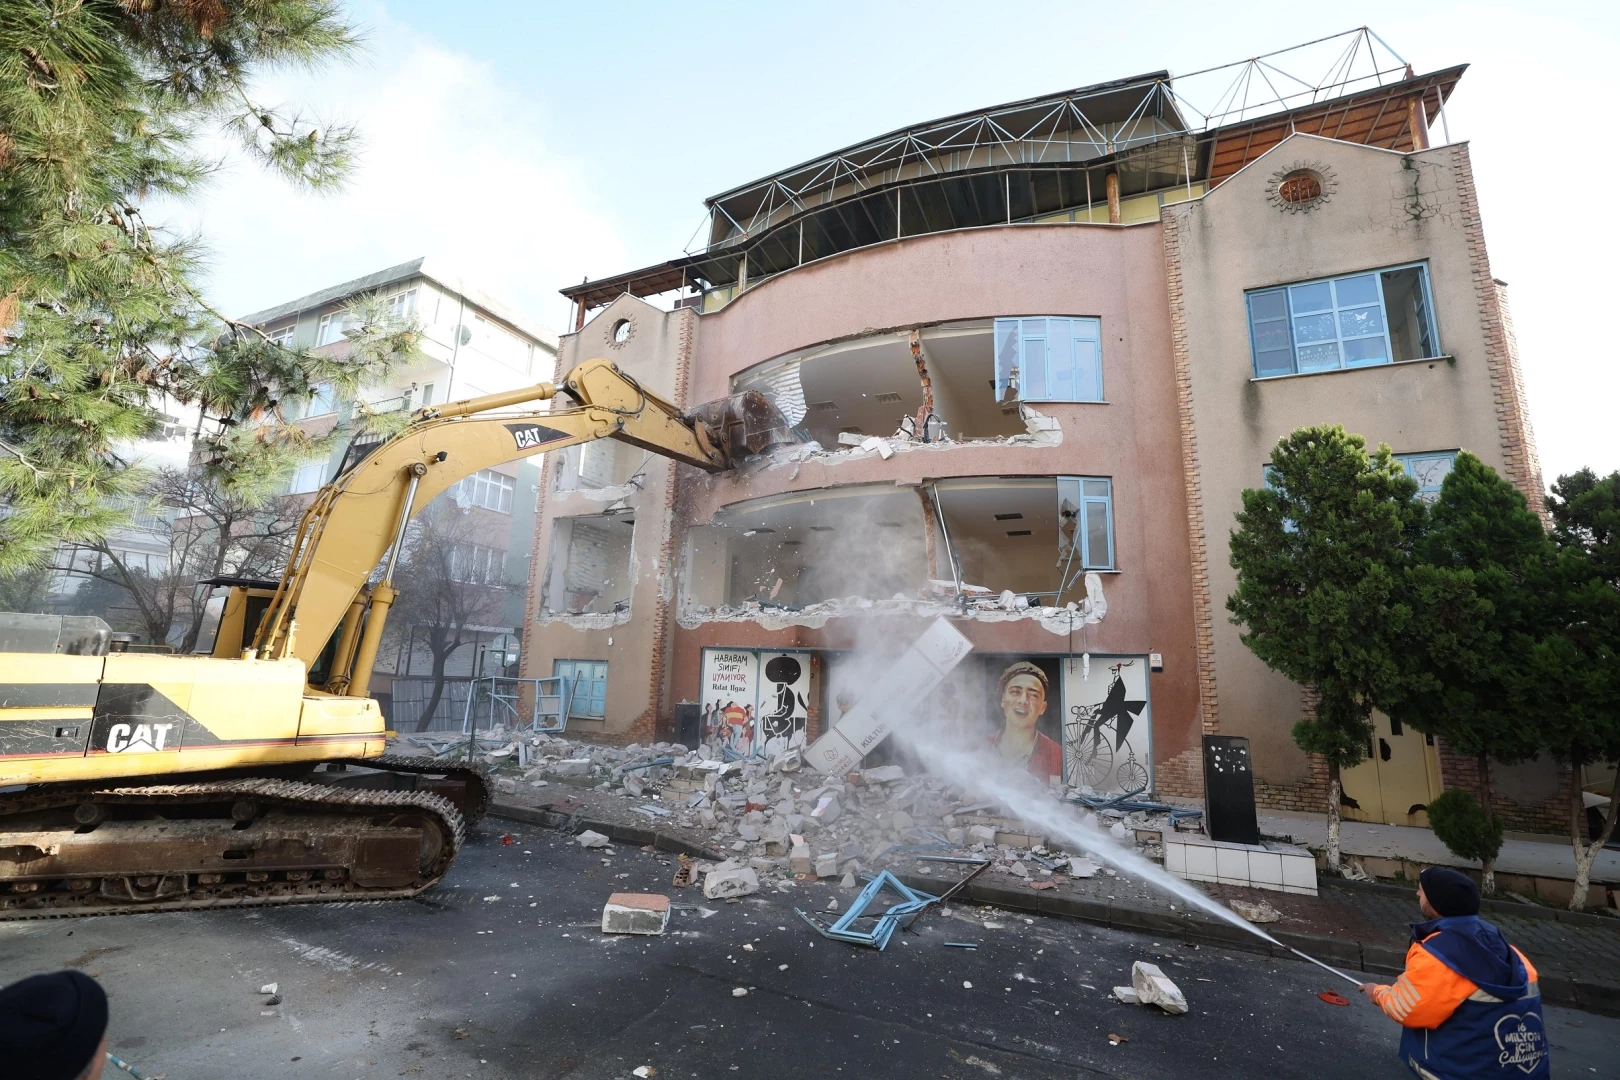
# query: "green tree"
{"type": "Point", "coordinates": [1576, 668]}
{"type": "Point", "coordinates": [1467, 829]}
{"type": "Point", "coordinates": [1478, 588]}
{"type": "Point", "coordinates": [103, 104]}
{"type": "Point", "coordinates": [1320, 555]}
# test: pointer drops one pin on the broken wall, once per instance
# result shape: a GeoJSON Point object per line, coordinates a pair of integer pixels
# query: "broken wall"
{"type": "Point", "coordinates": [590, 566]}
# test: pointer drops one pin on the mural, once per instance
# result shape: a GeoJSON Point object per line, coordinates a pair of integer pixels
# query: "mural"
{"type": "Point", "coordinates": [1108, 728]}
{"type": "Point", "coordinates": [1026, 714]}
{"type": "Point", "coordinates": [755, 703]}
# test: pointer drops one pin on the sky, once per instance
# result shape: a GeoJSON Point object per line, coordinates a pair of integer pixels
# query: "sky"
{"type": "Point", "coordinates": [533, 144]}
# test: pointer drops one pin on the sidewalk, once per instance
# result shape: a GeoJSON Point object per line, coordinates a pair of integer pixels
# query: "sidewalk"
{"type": "Point", "coordinates": [1355, 926]}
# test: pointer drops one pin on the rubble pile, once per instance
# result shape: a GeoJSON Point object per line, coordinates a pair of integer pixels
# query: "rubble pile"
{"type": "Point", "coordinates": [776, 820]}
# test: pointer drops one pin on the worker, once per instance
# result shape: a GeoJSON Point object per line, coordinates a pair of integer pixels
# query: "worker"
{"type": "Point", "coordinates": [1468, 1001]}
{"type": "Point", "coordinates": [53, 1027]}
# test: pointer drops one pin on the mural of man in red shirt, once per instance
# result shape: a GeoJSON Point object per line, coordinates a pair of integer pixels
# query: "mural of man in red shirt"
{"type": "Point", "coordinates": [1024, 690]}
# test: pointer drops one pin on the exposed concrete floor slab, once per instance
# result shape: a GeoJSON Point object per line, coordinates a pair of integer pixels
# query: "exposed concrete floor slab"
{"type": "Point", "coordinates": [458, 985]}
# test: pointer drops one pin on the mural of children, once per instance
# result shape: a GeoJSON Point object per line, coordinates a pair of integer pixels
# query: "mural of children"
{"type": "Point", "coordinates": [1023, 692]}
{"type": "Point", "coordinates": [739, 727]}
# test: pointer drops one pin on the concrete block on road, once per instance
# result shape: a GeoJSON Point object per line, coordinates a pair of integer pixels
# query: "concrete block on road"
{"type": "Point", "coordinates": [635, 913]}
{"type": "Point", "coordinates": [827, 865]}
{"type": "Point", "coordinates": [572, 767]}
{"type": "Point", "coordinates": [799, 860]}
{"type": "Point", "coordinates": [735, 881]}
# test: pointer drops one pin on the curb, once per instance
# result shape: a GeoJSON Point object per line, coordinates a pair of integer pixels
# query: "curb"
{"type": "Point", "coordinates": [1588, 995]}
{"type": "Point", "coordinates": [1500, 907]}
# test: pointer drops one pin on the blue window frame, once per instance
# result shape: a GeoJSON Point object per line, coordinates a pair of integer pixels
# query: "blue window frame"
{"type": "Point", "coordinates": [1429, 469]}
{"type": "Point", "coordinates": [1358, 320]}
{"type": "Point", "coordinates": [1049, 358]}
{"type": "Point", "coordinates": [1086, 511]}
{"type": "Point", "coordinates": [589, 681]}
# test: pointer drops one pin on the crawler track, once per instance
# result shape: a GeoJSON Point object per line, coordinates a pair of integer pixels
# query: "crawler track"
{"type": "Point", "coordinates": [473, 777]}
{"type": "Point", "coordinates": [237, 842]}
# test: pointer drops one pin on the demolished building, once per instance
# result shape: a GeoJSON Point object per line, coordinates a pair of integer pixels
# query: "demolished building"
{"type": "Point", "coordinates": [1025, 360]}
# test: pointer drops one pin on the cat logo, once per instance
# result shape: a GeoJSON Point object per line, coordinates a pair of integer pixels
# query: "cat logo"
{"type": "Point", "coordinates": [137, 739]}
{"type": "Point", "coordinates": [532, 436]}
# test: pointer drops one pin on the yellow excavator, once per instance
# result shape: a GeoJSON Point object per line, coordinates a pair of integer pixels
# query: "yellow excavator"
{"type": "Point", "coordinates": [255, 771]}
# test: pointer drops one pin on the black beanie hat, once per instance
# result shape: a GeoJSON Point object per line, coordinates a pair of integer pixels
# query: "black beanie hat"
{"type": "Point", "coordinates": [51, 1025]}
{"type": "Point", "coordinates": [1450, 892]}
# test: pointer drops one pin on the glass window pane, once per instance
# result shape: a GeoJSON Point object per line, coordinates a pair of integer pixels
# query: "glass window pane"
{"type": "Point", "coordinates": [1362, 289]}
{"type": "Point", "coordinates": [1359, 322]}
{"type": "Point", "coordinates": [1271, 336]}
{"type": "Point", "coordinates": [1268, 305]}
{"type": "Point", "coordinates": [1090, 329]}
{"type": "Point", "coordinates": [1087, 371]}
{"type": "Point", "coordinates": [1359, 352]}
{"type": "Point", "coordinates": [1317, 297]}
{"type": "Point", "coordinates": [1319, 357]}
{"type": "Point", "coordinates": [1006, 357]}
{"type": "Point", "coordinates": [1097, 554]}
{"type": "Point", "coordinates": [1097, 488]}
{"type": "Point", "coordinates": [1060, 363]}
{"type": "Point", "coordinates": [1033, 369]}
{"type": "Point", "coordinates": [1274, 363]}
{"type": "Point", "coordinates": [1411, 333]}
{"type": "Point", "coordinates": [1308, 328]}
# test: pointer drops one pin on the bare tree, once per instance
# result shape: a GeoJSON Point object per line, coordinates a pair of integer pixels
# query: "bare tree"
{"type": "Point", "coordinates": [448, 583]}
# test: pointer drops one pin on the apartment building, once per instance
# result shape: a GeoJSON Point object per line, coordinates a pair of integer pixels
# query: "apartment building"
{"type": "Point", "coordinates": [472, 344]}
{"type": "Point", "coordinates": [1031, 355]}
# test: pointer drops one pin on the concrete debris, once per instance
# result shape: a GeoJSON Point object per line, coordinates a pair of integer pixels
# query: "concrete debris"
{"type": "Point", "coordinates": [848, 881]}
{"type": "Point", "coordinates": [573, 767]}
{"type": "Point", "coordinates": [799, 859]}
{"type": "Point", "coordinates": [1261, 912]}
{"type": "Point", "coordinates": [1117, 830]}
{"type": "Point", "coordinates": [635, 913]}
{"type": "Point", "coordinates": [884, 774]}
{"type": "Point", "coordinates": [643, 1071]}
{"type": "Point", "coordinates": [739, 991]}
{"type": "Point", "coordinates": [726, 881]}
{"type": "Point", "coordinates": [590, 839]}
{"type": "Point", "coordinates": [827, 865]}
{"type": "Point", "coordinates": [1153, 987]}
{"type": "Point", "coordinates": [633, 784]}
{"type": "Point", "coordinates": [1127, 994]}
{"type": "Point", "coordinates": [506, 787]}
{"type": "Point", "coordinates": [269, 988]}
{"type": "Point", "coordinates": [1081, 867]}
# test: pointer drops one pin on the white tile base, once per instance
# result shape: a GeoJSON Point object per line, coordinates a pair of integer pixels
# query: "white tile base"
{"type": "Point", "coordinates": [1269, 865]}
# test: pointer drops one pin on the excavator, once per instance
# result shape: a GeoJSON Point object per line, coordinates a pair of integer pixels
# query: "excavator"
{"type": "Point", "coordinates": [256, 771]}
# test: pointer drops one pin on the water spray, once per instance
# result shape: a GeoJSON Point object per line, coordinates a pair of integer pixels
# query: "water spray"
{"type": "Point", "coordinates": [1305, 956]}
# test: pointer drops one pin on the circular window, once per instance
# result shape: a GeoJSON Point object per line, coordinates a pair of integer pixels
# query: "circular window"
{"type": "Point", "coordinates": [620, 332]}
{"type": "Point", "coordinates": [1300, 186]}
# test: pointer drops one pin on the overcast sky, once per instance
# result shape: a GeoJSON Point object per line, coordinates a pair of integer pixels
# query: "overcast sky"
{"type": "Point", "coordinates": [533, 144]}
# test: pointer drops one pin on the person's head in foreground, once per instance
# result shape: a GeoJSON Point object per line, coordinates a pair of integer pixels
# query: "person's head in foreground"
{"type": "Point", "coordinates": [53, 1027]}
{"type": "Point", "coordinates": [1444, 893]}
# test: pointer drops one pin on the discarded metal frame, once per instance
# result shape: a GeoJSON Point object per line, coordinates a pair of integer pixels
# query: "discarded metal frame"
{"type": "Point", "coordinates": [912, 905]}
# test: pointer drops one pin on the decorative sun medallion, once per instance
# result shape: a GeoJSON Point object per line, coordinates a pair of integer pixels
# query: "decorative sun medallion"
{"type": "Point", "coordinates": [620, 332]}
{"type": "Point", "coordinates": [1301, 187]}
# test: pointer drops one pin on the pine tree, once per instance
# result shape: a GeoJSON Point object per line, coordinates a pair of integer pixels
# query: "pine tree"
{"type": "Point", "coordinates": [1320, 554]}
{"type": "Point", "coordinates": [1479, 588]}
{"type": "Point", "coordinates": [102, 106]}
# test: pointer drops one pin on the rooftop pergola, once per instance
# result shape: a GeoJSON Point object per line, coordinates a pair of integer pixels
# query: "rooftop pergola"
{"type": "Point", "coordinates": [1030, 159]}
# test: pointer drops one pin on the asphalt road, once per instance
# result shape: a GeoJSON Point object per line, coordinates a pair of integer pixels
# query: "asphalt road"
{"type": "Point", "coordinates": [502, 973]}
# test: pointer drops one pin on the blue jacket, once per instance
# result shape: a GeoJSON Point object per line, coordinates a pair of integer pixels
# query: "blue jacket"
{"type": "Point", "coordinates": [1470, 1004]}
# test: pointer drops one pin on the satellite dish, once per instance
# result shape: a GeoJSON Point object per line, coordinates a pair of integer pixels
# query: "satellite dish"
{"type": "Point", "coordinates": [463, 334]}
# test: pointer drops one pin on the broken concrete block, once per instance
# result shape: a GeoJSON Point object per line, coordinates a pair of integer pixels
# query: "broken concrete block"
{"type": "Point", "coordinates": [900, 821]}
{"type": "Point", "coordinates": [1127, 994]}
{"type": "Point", "coordinates": [269, 988]}
{"type": "Point", "coordinates": [635, 913]}
{"type": "Point", "coordinates": [632, 783]}
{"type": "Point", "coordinates": [506, 787]}
{"type": "Point", "coordinates": [572, 767]}
{"type": "Point", "coordinates": [590, 839]}
{"type": "Point", "coordinates": [982, 834]}
{"type": "Point", "coordinates": [799, 860]}
{"type": "Point", "coordinates": [827, 865]}
{"type": "Point", "coordinates": [749, 831]}
{"type": "Point", "coordinates": [884, 774]}
{"type": "Point", "coordinates": [828, 809]}
{"type": "Point", "coordinates": [850, 438]}
{"type": "Point", "coordinates": [1261, 912]}
{"type": "Point", "coordinates": [1155, 988]}
{"type": "Point", "coordinates": [1082, 868]}
{"type": "Point", "coordinates": [1117, 830]}
{"type": "Point", "coordinates": [723, 884]}
{"type": "Point", "coordinates": [956, 836]}
{"type": "Point", "coordinates": [848, 881]}
{"type": "Point", "coordinates": [1018, 869]}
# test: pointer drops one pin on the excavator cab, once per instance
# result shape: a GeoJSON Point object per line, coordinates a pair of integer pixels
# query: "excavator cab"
{"type": "Point", "coordinates": [233, 607]}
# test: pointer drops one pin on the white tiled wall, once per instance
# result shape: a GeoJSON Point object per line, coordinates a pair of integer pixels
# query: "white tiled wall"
{"type": "Point", "coordinates": [1279, 867]}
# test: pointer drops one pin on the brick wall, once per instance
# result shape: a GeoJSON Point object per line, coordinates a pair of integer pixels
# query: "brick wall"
{"type": "Point", "coordinates": [1180, 777]}
{"type": "Point", "coordinates": [1551, 815]}
{"type": "Point", "coordinates": [1203, 619]}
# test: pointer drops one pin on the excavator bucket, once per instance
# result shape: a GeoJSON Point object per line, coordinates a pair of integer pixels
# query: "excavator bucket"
{"type": "Point", "coordinates": [746, 424]}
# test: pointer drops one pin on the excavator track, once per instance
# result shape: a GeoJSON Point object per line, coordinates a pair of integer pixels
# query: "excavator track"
{"type": "Point", "coordinates": [241, 842]}
{"type": "Point", "coordinates": [471, 778]}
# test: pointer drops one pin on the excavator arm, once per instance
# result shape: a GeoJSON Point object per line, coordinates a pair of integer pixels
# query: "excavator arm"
{"type": "Point", "coordinates": [359, 520]}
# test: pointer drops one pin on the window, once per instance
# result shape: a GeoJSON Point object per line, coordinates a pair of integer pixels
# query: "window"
{"type": "Point", "coordinates": [475, 564]}
{"type": "Point", "coordinates": [309, 477]}
{"type": "Point", "coordinates": [1086, 512]}
{"type": "Point", "coordinates": [324, 402]}
{"type": "Point", "coordinates": [332, 326]}
{"type": "Point", "coordinates": [1429, 470]}
{"type": "Point", "coordinates": [283, 335]}
{"type": "Point", "coordinates": [588, 680]}
{"type": "Point", "coordinates": [486, 488]}
{"type": "Point", "coordinates": [1048, 359]}
{"type": "Point", "coordinates": [427, 395]}
{"type": "Point", "coordinates": [1345, 322]}
{"type": "Point", "coordinates": [402, 304]}
{"type": "Point", "coordinates": [497, 341]}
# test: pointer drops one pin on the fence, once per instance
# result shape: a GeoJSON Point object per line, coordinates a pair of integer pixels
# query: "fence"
{"type": "Point", "coordinates": [410, 697]}
{"type": "Point", "coordinates": [480, 704]}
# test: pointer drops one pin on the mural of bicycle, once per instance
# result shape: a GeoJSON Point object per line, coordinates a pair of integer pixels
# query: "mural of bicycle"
{"type": "Point", "coordinates": [1097, 757]}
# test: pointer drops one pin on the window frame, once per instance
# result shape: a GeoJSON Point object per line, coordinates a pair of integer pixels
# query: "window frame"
{"type": "Point", "coordinates": [1019, 377]}
{"type": "Point", "coordinates": [569, 669]}
{"type": "Point", "coordinates": [1286, 290]}
{"type": "Point", "coordinates": [282, 335]}
{"type": "Point", "coordinates": [1428, 494]}
{"type": "Point", "coordinates": [293, 487]}
{"type": "Point", "coordinates": [478, 489]}
{"type": "Point", "coordinates": [1081, 533]}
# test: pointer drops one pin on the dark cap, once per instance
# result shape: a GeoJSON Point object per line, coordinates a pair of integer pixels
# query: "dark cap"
{"type": "Point", "coordinates": [51, 1025]}
{"type": "Point", "coordinates": [1450, 892]}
